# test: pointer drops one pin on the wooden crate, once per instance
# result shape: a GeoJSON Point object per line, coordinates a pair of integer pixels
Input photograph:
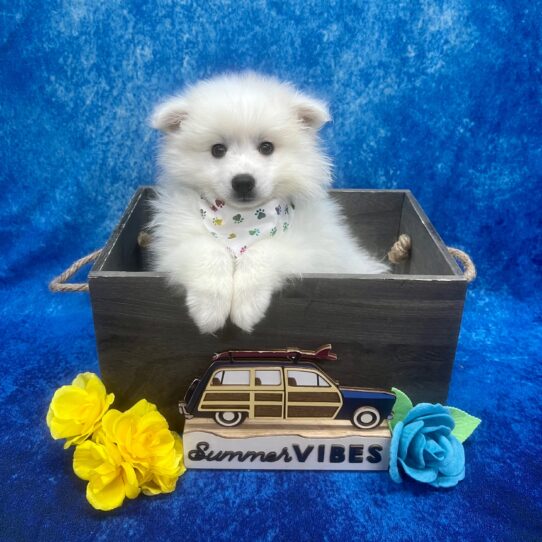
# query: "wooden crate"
{"type": "Point", "coordinates": [398, 329]}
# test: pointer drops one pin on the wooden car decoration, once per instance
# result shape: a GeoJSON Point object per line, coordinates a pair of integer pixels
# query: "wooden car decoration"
{"type": "Point", "coordinates": [282, 384]}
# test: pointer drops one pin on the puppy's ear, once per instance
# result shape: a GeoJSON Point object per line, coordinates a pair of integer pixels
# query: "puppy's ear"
{"type": "Point", "coordinates": [311, 112]}
{"type": "Point", "coordinates": [168, 116]}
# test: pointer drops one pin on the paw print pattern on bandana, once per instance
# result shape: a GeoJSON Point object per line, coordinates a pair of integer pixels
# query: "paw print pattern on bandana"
{"type": "Point", "coordinates": [237, 229]}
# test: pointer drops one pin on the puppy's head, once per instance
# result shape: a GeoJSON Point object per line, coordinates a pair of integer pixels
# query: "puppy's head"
{"type": "Point", "coordinates": [244, 139]}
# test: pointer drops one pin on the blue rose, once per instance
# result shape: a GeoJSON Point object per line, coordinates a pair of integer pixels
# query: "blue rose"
{"type": "Point", "coordinates": [423, 447]}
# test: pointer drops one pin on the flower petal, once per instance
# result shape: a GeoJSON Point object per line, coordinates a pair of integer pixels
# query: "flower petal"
{"type": "Point", "coordinates": [424, 409]}
{"type": "Point", "coordinates": [110, 419]}
{"type": "Point", "coordinates": [448, 481]}
{"type": "Point", "coordinates": [83, 379]}
{"type": "Point", "coordinates": [87, 458]}
{"type": "Point", "coordinates": [438, 419]}
{"type": "Point", "coordinates": [160, 484]}
{"type": "Point", "coordinates": [76, 410]}
{"type": "Point", "coordinates": [107, 497]}
{"type": "Point", "coordinates": [416, 451]}
{"type": "Point", "coordinates": [131, 484]}
{"type": "Point", "coordinates": [67, 402]}
{"type": "Point", "coordinates": [409, 432]}
{"type": "Point", "coordinates": [395, 475]}
{"type": "Point", "coordinates": [454, 462]}
{"type": "Point", "coordinates": [433, 453]}
{"type": "Point", "coordinates": [141, 408]}
{"type": "Point", "coordinates": [434, 431]}
{"type": "Point", "coordinates": [425, 476]}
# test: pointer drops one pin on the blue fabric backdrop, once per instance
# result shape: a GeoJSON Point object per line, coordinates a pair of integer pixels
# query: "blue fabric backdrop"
{"type": "Point", "coordinates": [443, 98]}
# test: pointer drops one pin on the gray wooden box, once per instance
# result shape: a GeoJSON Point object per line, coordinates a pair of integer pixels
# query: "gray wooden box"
{"type": "Point", "coordinates": [398, 329]}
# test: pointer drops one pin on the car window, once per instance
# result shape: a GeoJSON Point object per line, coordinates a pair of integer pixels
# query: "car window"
{"type": "Point", "coordinates": [306, 378]}
{"type": "Point", "coordinates": [267, 377]}
{"type": "Point", "coordinates": [231, 378]}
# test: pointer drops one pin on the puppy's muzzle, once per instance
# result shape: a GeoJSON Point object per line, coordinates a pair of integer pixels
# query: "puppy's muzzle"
{"type": "Point", "coordinates": [243, 186]}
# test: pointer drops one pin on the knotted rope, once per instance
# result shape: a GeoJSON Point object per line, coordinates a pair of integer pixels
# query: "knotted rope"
{"type": "Point", "coordinates": [400, 252]}
{"type": "Point", "coordinates": [469, 269]}
{"type": "Point", "coordinates": [144, 239]}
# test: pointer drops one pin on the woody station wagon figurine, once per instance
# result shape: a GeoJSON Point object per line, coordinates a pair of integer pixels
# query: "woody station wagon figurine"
{"type": "Point", "coordinates": [281, 385]}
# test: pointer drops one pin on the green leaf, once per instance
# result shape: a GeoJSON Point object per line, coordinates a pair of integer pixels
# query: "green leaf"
{"type": "Point", "coordinates": [403, 405]}
{"type": "Point", "coordinates": [465, 424]}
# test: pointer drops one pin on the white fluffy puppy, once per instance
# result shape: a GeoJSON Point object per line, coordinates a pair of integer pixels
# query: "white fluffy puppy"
{"type": "Point", "coordinates": [242, 202]}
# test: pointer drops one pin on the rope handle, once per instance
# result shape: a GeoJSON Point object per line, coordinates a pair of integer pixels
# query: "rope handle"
{"type": "Point", "coordinates": [58, 284]}
{"type": "Point", "coordinates": [400, 251]}
{"type": "Point", "coordinates": [469, 269]}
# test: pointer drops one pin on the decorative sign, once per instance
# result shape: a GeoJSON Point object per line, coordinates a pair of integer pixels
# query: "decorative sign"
{"type": "Point", "coordinates": [278, 410]}
{"type": "Point", "coordinates": [288, 446]}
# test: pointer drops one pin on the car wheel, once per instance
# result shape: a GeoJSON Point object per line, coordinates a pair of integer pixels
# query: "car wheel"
{"type": "Point", "coordinates": [229, 419]}
{"type": "Point", "coordinates": [366, 417]}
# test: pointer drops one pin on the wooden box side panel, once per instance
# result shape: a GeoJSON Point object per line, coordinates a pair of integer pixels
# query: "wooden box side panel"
{"type": "Point", "coordinates": [428, 255]}
{"type": "Point", "coordinates": [122, 251]}
{"type": "Point", "coordinates": [387, 332]}
{"type": "Point", "coordinates": [373, 216]}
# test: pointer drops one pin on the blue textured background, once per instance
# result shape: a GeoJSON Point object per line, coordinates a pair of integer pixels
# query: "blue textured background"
{"type": "Point", "coordinates": [443, 98]}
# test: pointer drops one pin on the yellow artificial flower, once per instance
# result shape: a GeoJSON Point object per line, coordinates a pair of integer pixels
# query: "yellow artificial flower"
{"type": "Point", "coordinates": [163, 478]}
{"type": "Point", "coordinates": [144, 440]}
{"type": "Point", "coordinates": [110, 478]}
{"type": "Point", "coordinates": [76, 410]}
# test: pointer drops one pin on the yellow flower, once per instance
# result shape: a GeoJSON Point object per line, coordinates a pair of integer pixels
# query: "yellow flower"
{"type": "Point", "coordinates": [162, 478]}
{"type": "Point", "coordinates": [110, 478]}
{"type": "Point", "coordinates": [144, 440]}
{"type": "Point", "coordinates": [76, 410]}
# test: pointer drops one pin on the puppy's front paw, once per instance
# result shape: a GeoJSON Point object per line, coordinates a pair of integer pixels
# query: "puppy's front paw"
{"type": "Point", "coordinates": [249, 305]}
{"type": "Point", "coordinates": [209, 307]}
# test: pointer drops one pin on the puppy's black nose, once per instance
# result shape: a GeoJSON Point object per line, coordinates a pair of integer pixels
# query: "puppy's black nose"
{"type": "Point", "coordinates": [243, 184]}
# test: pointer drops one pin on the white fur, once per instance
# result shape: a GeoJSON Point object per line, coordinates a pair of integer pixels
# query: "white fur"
{"type": "Point", "coordinates": [240, 111]}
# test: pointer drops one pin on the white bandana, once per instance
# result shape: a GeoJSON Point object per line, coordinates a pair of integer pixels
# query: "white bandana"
{"type": "Point", "coordinates": [240, 228]}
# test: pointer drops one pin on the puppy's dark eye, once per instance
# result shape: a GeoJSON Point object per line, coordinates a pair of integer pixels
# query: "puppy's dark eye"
{"type": "Point", "coordinates": [266, 148]}
{"type": "Point", "coordinates": [218, 150]}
